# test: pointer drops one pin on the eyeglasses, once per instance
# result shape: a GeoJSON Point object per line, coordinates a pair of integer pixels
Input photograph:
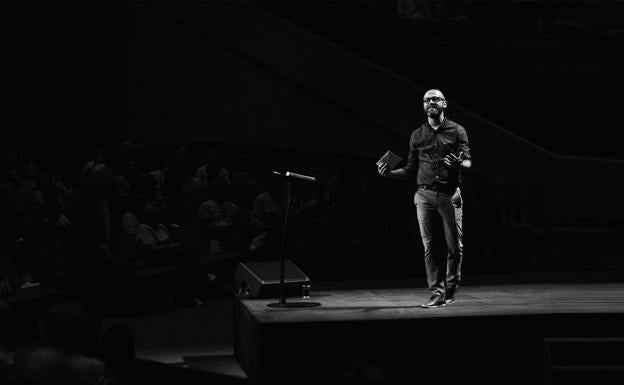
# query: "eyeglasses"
{"type": "Point", "coordinates": [433, 99]}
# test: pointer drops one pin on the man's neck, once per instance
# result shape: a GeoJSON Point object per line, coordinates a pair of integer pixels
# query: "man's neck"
{"type": "Point", "coordinates": [436, 122]}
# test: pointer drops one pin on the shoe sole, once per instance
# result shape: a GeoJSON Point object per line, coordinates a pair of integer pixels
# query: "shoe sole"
{"type": "Point", "coordinates": [431, 306]}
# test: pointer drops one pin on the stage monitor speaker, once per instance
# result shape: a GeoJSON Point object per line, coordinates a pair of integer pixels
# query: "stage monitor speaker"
{"type": "Point", "coordinates": [262, 279]}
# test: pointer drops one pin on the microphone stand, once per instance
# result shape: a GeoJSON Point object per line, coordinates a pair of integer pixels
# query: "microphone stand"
{"type": "Point", "coordinates": [282, 291]}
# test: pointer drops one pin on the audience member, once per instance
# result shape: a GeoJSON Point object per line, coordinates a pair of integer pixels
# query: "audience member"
{"type": "Point", "coordinates": [243, 177]}
{"type": "Point", "coordinates": [49, 366]}
{"type": "Point", "coordinates": [156, 248]}
{"type": "Point", "coordinates": [212, 175]}
{"type": "Point", "coordinates": [66, 329]}
{"type": "Point", "coordinates": [223, 221]}
{"type": "Point", "coordinates": [91, 238]}
{"type": "Point", "coordinates": [153, 183]}
{"type": "Point", "coordinates": [267, 218]}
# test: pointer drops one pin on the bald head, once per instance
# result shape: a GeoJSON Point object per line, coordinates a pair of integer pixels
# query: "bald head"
{"type": "Point", "coordinates": [434, 92]}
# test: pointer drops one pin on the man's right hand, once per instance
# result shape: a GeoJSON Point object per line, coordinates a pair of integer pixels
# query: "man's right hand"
{"type": "Point", "coordinates": [383, 169]}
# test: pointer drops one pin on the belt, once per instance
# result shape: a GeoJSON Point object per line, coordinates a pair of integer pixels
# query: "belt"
{"type": "Point", "coordinates": [438, 187]}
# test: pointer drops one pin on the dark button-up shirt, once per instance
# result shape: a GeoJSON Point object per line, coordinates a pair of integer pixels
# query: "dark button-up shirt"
{"type": "Point", "coordinates": [427, 149]}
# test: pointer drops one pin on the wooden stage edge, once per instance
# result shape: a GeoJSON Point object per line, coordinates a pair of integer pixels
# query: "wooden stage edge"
{"type": "Point", "coordinates": [512, 333]}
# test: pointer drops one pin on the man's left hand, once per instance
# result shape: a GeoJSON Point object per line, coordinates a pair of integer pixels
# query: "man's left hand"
{"type": "Point", "coordinates": [452, 161]}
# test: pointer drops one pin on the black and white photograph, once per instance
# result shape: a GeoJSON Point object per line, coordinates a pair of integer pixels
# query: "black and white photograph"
{"type": "Point", "coordinates": [281, 192]}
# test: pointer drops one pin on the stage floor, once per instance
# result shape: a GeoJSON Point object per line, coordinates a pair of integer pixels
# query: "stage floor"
{"type": "Point", "coordinates": [401, 303]}
{"type": "Point", "coordinates": [505, 325]}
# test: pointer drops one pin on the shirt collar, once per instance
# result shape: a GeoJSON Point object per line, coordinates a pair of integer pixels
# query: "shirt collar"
{"type": "Point", "coordinates": [443, 125]}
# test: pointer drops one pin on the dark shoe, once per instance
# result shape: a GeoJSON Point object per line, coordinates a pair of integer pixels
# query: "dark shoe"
{"type": "Point", "coordinates": [449, 296]}
{"type": "Point", "coordinates": [436, 300]}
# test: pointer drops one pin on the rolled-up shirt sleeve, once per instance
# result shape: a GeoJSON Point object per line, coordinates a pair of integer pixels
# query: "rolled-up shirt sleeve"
{"type": "Point", "coordinates": [411, 166]}
{"type": "Point", "coordinates": [462, 143]}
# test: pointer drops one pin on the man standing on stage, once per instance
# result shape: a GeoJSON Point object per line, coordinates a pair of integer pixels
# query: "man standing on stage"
{"type": "Point", "coordinates": [438, 150]}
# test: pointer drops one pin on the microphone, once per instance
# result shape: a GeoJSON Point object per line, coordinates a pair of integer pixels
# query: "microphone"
{"type": "Point", "coordinates": [297, 176]}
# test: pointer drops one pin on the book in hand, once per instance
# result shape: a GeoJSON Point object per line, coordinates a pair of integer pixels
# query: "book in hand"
{"type": "Point", "coordinates": [391, 159]}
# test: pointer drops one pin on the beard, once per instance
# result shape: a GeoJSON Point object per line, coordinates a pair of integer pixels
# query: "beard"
{"type": "Point", "coordinates": [433, 112]}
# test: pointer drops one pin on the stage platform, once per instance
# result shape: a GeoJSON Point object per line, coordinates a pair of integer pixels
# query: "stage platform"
{"type": "Point", "coordinates": [503, 334]}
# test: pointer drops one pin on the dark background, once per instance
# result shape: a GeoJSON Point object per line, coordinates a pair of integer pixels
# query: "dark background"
{"type": "Point", "coordinates": [548, 71]}
{"type": "Point", "coordinates": [274, 78]}
{"type": "Point", "coordinates": [318, 87]}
